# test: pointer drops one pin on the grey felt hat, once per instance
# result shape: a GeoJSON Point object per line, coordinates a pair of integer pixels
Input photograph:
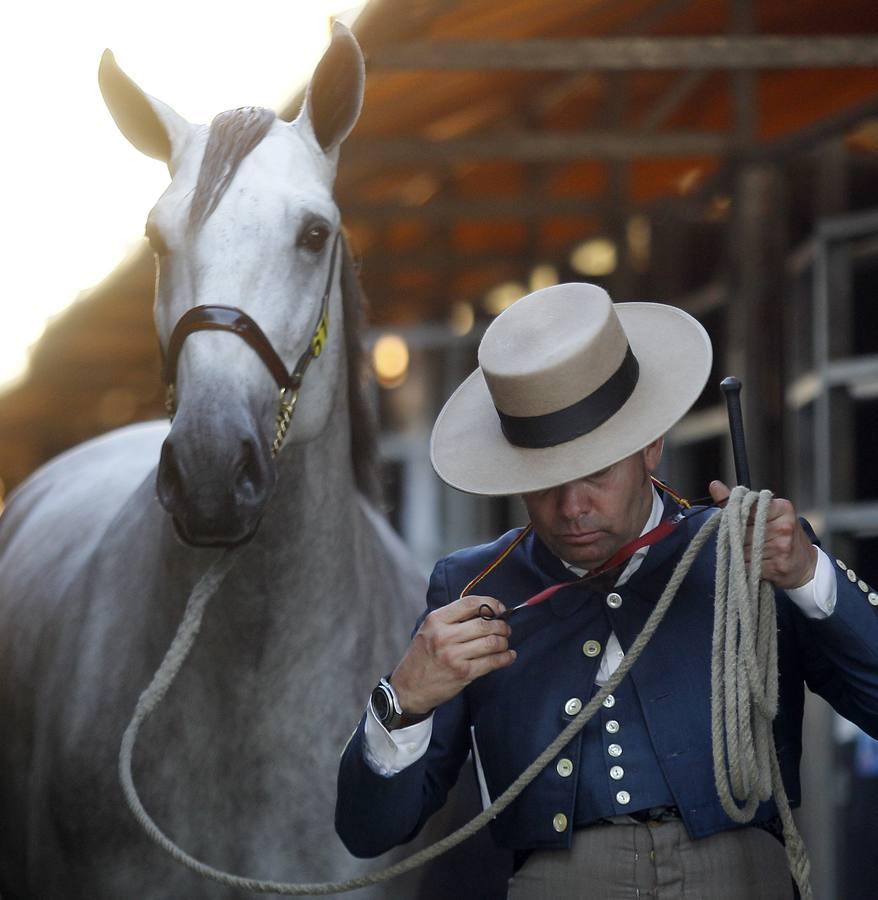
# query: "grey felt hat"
{"type": "Point", "coordinates": [568, 383]}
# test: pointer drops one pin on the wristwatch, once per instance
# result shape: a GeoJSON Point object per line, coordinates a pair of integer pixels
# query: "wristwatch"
{"type": "Point", "coordinates": [385, 705]}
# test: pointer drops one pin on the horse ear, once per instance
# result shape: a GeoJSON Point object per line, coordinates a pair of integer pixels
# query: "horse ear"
{"type": "Point", "coordinates": [335, 93]}
{"type": "Point", "coordinates": [151, 126]}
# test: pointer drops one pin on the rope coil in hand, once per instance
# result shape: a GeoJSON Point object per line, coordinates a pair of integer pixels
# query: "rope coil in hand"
{"type": "Point", "coordinates": [744, 678]}
{"type": "Point", "coordinates": [742, 713]}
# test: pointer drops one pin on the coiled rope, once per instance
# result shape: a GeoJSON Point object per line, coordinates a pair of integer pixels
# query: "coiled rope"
{"type": "Point", "coordinates": [739, 595]}
{"type": "Point", "coordinates": [744, 678]}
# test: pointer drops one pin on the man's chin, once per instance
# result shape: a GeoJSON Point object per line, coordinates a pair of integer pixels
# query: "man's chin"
{"type": "Point", "coordinates": [583, 555]}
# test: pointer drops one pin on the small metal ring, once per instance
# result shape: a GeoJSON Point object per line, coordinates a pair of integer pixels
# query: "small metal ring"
{"type": "Point", "coordinates": [488, 616]}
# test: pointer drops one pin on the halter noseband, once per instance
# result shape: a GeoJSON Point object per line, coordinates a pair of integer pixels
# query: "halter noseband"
{"type": "Point", "coordinates": [236, 321]}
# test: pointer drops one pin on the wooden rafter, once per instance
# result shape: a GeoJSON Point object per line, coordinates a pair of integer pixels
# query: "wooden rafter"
{"type": "Point", "coordinates": [634, 53]}
{"type": "Point", "coordinates": [446, 210]}
{"type": "Point", "coordinates": [525, 146]}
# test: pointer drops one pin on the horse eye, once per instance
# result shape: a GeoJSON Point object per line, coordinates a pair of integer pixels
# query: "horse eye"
{"type": "Point", "coordinates": [314, 238]}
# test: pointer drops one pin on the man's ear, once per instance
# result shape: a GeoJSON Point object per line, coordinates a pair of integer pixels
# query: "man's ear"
{"type": "Point", "coordinates": [652, 454]}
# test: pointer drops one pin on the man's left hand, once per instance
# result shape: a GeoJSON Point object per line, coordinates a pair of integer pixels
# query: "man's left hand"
{"type": "Point", "coordinates": [789, 559]}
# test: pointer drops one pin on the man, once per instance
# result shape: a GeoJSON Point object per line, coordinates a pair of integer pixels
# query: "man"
{"type": "Point", "coordinates": [568, 408]}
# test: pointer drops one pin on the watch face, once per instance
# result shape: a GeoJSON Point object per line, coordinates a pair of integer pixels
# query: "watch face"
{"type": "Point", "coordinates": [381, 704]}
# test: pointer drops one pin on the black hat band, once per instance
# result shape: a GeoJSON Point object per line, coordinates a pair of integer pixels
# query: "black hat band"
{"type": "Point", "coordinates": [551, 429]}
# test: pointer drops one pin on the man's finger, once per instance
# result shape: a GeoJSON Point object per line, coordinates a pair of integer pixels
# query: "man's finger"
{"type": "Point", "coordinates": [467, 608]}
{"type": "Point", "coordinates": [485, 645]}
{"type": "Point", "coordinates": [486, 664]}
{"type": "Point", "coordinates": [719, 491]}
{"type": "Point", "coordinates": [477, 627]}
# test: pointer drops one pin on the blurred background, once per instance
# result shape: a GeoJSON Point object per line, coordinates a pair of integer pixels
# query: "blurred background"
{"type": "Point", "coordinates": [720, 155]}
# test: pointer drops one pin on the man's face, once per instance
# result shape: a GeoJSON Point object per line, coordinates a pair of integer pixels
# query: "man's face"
{"type": "Point", "coordinates": [584, 522]}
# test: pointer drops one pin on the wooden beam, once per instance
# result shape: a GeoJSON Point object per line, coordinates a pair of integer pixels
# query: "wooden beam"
{"type": "Point", "coordinates": [540, 146]}
{"type": "Point", "coordinates": [633, 53]}
{"type": "Point", "coordinates": [829, 126]}
{"type": "Point", "coordinates": [778, 150]}
{"type": "Point", "coordinates": [745, 113]}
{"type": "Point", "coordinates": [451, 209]}
{"type": "Point", "coordinates": [755, 279]}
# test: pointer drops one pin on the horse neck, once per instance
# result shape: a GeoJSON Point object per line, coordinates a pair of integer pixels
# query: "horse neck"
{"type": "Point", "coordinates": [315, 501]}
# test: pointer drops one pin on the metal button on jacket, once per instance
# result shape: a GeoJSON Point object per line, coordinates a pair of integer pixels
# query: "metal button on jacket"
{"type": "Point", "coordinates": [616, 773]}
{"type": "Point", "coordinates": [591, 648]}
{"type": "Point", "coordinates": [623, 798]}
{"type": "Point", "coordinates": [862, 586]}
{"type": "Point", "coordinates": [559, 823]}
{"type": "Point", "coordinates": [612, 726]}
{"type": "Point", "coordinates": [609, 701]}
{"type": "Point", "coordinates": [852, 575]}
{"type": "Point", "coordinates": [564, 767]}
{"type": "Point", "coordinates": [614, 600]}
{"type": "Point", "coordinates": [841, 565]}
{"type": "Point", "coordinates": [873, 598]}
{"type": "Point", "coordinates": [614, 750]}
{"type": "Point", "coordinates": [572, 706]}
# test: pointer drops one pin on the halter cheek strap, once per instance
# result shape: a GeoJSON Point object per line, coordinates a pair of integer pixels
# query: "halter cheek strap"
{"type": "Point", "coordinates": [229, 318]}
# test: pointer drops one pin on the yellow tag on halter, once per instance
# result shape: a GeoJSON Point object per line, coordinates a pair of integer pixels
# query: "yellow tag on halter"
{"type": "Point", "coordinates": [320, 333]}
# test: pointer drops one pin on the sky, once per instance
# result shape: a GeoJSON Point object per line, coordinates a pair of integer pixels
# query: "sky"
{"type": "Point", "coordinates": [75, 193]}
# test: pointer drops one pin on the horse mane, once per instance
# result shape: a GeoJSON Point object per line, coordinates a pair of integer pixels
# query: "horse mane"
{"type": "Point", "coordinates": [233, 134]}
{"type": "Point", "coordinates": [364, 442]}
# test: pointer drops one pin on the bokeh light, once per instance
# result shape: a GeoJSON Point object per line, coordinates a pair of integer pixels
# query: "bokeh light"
{"type": "Point", "coordinates": [390, 359]}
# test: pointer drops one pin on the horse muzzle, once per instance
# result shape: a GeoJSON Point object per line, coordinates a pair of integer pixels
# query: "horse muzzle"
{"type": "Point", "coordinates": [215, 498]}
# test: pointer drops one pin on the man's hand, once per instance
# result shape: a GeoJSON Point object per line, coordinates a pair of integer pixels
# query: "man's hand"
{"type": "Point", "coordinates": [789, 559]}
{"type": "Point", "coordinates": [453, 647]}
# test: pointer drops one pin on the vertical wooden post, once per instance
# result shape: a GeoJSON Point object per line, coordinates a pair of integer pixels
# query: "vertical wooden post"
{"type": "Point", "coordinates": [831, 199]}
{"type": "Point", "coordinates": [757, 245]}
{"type": "Point", "coordinates": [622, 281]}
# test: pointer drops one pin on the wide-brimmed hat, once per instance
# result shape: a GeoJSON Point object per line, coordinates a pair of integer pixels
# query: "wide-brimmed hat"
{"type": "Point", "coordinates": [568, 383]}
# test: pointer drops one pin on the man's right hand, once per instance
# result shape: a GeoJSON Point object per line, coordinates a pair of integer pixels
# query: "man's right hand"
{"type": "Point", "coordinates": [453, 647]}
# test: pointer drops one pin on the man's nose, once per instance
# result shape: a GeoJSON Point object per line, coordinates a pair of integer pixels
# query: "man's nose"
{"type": "Point", "coordinates": [574, 500]}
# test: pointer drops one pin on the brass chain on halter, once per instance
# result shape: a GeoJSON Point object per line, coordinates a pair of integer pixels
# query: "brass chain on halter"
{"type": "Point", "coordinates": [283, 419]}
{"type": "Point", "coordinates": [230, 318]}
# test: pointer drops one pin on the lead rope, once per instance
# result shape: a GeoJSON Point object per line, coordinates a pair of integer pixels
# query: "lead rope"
{"type": "Point", "coordinates": [742, 594]}
{"type": "Point", "coordinates": [744, 679]}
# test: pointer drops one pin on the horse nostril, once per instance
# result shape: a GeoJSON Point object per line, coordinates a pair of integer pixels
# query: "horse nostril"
{"type": "Point", "coordinates": [169, 481]}
{"type": "Point", "coordinates": [249, 480]}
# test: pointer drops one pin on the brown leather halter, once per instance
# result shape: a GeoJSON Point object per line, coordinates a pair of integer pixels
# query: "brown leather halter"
{"type": "Point", "coordinates": [236, 321]}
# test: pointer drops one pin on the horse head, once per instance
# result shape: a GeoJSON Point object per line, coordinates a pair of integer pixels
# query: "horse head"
{"type": "Point", "coordinates": [247, 303]}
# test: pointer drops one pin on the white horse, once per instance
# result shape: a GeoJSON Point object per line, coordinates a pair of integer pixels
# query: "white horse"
{"type": "Point", "coordinates": [239, 763]}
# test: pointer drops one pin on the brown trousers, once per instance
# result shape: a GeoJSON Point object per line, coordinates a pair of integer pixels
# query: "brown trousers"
{"type": "Point", "coordinates": [657, 861]}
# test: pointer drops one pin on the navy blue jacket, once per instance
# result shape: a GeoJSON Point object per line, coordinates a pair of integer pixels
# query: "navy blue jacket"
{"type": "Point", "coordinates": [516, 712]}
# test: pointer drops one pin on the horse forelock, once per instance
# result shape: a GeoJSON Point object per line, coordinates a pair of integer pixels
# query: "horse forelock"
{"type": "Point", "coordinates": [233, 134]}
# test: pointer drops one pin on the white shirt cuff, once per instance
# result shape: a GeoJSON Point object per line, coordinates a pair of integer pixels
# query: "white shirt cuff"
{"type": "Point", "coordinates": [816, 598]}
{"type": "Point", "coordinates": [389, 752]}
